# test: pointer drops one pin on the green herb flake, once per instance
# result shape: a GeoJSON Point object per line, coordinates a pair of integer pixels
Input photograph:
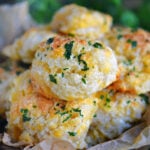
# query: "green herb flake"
{"type": "Point", "coordinates": [111, 91]}
{"type": "Point", "coordinates": [129, 41]}
{"type": "Point", "coordinates": [63, 113]}
{"type": "Point", "coordinates": [71, 34]}
{"type": "Point", "coordinates": [102, 97]}
{"type": "Point", "coordinates": [98, 45]}
{"type": "Point", "coordinates": [37, 54]}
{"type": "Point", "coordinates": [72, 133]}
{"type": "Point", "coordinates": [7, 68]}
{"type": "Point", "coordinates": [65, 68]}
{"type": "Point", "coordinates": [67, 118]}
{"type": "Point", "coordinates": [83, 48]}
{"type": "Point", "coordinates": [25, 114]}
{"type": "Point", "coordinates": [62, 74]}
{"type": "Point", "coordinates": [107, 104]}
{"type": "Point", "coordinates": [57, 112]}
{"type": "Point", "coordinates": [119, 36]}
{"type": "Point", "coordinates": [133, 69]}
{"type": "Point", "coordinates": [145, 98]}
{"type": "Point", "coordinates": [127, 63]}
{"type": "Point", "coordinates": [52, 78]}
{"type": "Point", "coordinates": [89, 42]}
{"type": "Point", "coordinates": [107, 100]}
{"type": "Point", "coordinates": [18, 73]}
{"type": "Point", "coordinates": [0, 81]}
{"type": "Point", "coordinates": [85, 67]}
{"type": "Point", "coordinates": [68, 49]}
{"type": "Point", "coordinates": [133, 43]}
{"type": "Point", "coordinates": [78, 110]}
{"type": "Point", "coordinates": [95, 115]}
{"type": "Point", "coordinates": [94, 102]}
{"type": "Point", "coordinates": [50, 40]}
{"type": "Point", "coordinates": [83, 80]}
{"type": "Point", "coordinates": [128, 102]}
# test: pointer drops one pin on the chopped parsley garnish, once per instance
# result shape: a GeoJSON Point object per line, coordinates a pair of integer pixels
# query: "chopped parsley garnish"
{"type": "Point", "coordinates": [94, 102]}
{"type": "Point", "coordinates": [61, 113]}
{"type": "Point", "coordinates": [101, 96]}
{"type": "Point", "coordinates": [127, 63]}
{"type": "Point", "coordinates": [25, 114]}
{"type": "Point", "coordinates": [133, 43]}
{"type": "Point", "coordinates": [145, 98]}
{"type": "Point", "coordinates": [50, 40]}
{"type": "Point", "coordinates": [65, 68]}
{"type": "Point", "coordinates": [85, 67]}
{"type": "Point", "coordinates": [78, 110]}
{"type": "Point", "coordinates": [52, 78]}
{"type": "Point", "coordinates": [57, 112]}
{"type": "Point", "coordinates": [62, 74]}
{"type": "Point", "coordinates": [18, 73]}
{"type": "Point", "coordinates": [68, 117]}
{"type": "Point", "coordinates": [70, 34]}
{"type": "Point", "coordinates": [37, 54]}
{"type": "Point", "coordinates": [133, 69]}
{"type": "Point", "coordinates": [128, 101]}
{"type": "Point", "coordinates": [95, 115]}
{"type": "Point", "coordinates": [107, 100]}
{"type": "Point", "coordinates": [68, 49]}
{"type": "Point", "coordinates": [7, 68]}
{"type": "Point", "coordinates": [119, 36]}
{"type": "Point", "coordinates": [111, 91]}
{"type": "Point", "coordinates": [79, 57]}
{"type": "Point", "coordinates": [83, 79]}
{"type": "Point", "coordinates": [72, 133]}
{"type": "Point", "coordinates": [89, 42]}
{"type": "Point", "coordinates": [97, 45]}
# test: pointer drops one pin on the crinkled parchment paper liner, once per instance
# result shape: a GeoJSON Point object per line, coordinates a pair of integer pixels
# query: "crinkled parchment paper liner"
{"type": "Point", "coordinates": [134, 138]}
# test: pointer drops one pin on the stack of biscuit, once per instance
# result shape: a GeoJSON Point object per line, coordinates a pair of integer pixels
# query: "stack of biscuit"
{"type": "Point", "coordinates": [87, 83]}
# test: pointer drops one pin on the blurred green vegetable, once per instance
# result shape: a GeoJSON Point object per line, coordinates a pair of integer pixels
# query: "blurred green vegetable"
{"type": "Point", "coordinates": [42, 11]}
{"type": "Point", "coordinates": [128, 18]}
{"type": "Point", "coordinates": [143, 13]}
